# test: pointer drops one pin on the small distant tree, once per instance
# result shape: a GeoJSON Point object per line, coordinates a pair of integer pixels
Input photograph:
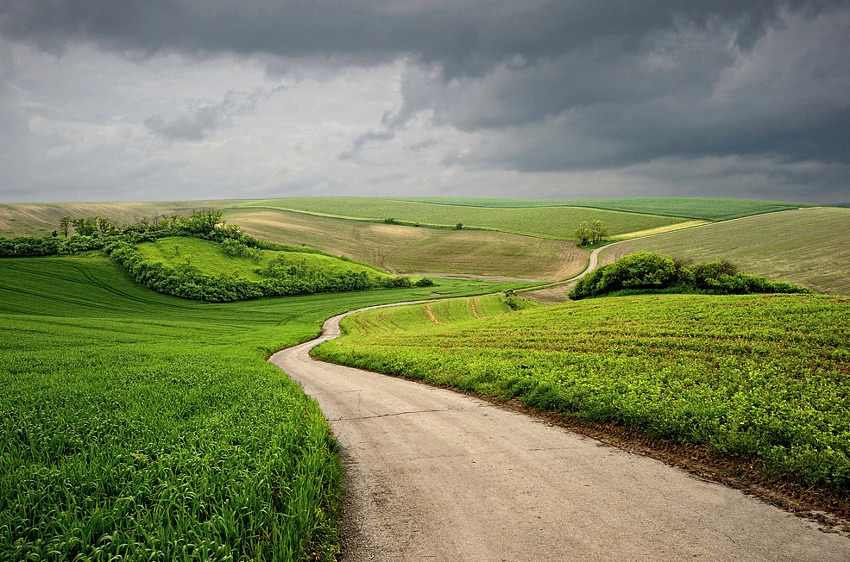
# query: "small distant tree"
{"type": "Point", "coordinates": [64, 225]}
{"type": "Point", "coordinates": [583, 234]}
{"type": "Point", "coordinates": [459, 226]}
{"type": "Point", "coordinates": [598, 232]}
{"type": "Point", "coordinates": [590, 233]}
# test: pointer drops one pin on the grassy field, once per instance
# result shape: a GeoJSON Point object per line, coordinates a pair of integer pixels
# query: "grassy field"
{"type": "Point", "coordinates": [747, 375]}
{"type": "Point", "coordinates": [547, 222]}
{"type": "Point", "coordinates": [211, 259]}
{"type": "Point", "coordinates": [808, 247]}
{"type": "Point", "coordinates": [403, 249]}
{"type": "Point", "coordinates": [689, 207]}
{"type": "Point", "coordinates": [137, 425]}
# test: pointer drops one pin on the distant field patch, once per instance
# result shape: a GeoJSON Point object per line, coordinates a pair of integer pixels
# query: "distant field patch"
{"type": "Point", "coordinates": [808, 247]}
{"type": "Point", "coordinates": [690, 207]}
{"type": "Point", "coordinates": [747, 375]}
{"type": "Point", "coordinates": [542, 221]}
{"type": "Point", "coordinates": [662, 229]}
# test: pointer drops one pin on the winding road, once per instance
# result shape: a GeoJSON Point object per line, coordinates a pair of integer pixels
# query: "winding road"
{"type": "Point", "coordinates": [433, 474]}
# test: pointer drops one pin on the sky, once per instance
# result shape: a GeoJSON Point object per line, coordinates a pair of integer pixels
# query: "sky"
{"type": "Point", "coordinates": [161, 100]}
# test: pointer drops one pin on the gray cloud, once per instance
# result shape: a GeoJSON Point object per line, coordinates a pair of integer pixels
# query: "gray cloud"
{"type": "Point", "coordinates": [530, 86]}
{"type": "Point", "coordinates": [205, 119]}
{"type": "Point", "coordinates": [463, 37]}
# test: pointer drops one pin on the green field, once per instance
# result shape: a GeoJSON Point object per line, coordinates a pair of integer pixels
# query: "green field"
{"type": "Point", "coordinates": [689, 207]}
{"type": "Point", "coordinates": [547, 222]}
{"type": "Point", "coordinates": [211, 259]}
{"type": "Point", "coordinates": [746, 375]}
{"type": "Point", "coordinates": [138, 425]}
{"type": "Point", "coordinates": [808, 247]}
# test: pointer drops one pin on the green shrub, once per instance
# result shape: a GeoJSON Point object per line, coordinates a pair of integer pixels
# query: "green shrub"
{"type": "Point", "coordinates": [646, 272]}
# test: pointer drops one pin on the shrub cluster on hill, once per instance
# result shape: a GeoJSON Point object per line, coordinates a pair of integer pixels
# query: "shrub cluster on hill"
{"type": "Point", "coordinates": [283, 277]}
{"type": "Point", "coordinates": [648, 272]}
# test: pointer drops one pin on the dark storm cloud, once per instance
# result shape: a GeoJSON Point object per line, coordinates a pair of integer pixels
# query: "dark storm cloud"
{"type": "Point", "coordinates": [551, 85]}
{"type": "Point", "coordinates": [463, 37]}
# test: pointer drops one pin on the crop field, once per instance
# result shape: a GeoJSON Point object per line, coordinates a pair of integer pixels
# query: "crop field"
{"type": "Point", "coordinates": [689, 207]}
{"type": "Point", "coordinates": [746, 375]}
{"type": "Point", "coordinates": [134, 424]}
{"type": "Point", "coordinates": [402, 249]}
{"type": "Point", "coordinates": [808, 247]}
{"type": "Point", "coordinates": [545, 222]}
{"type": "Point", "coordinates": [212, 260]}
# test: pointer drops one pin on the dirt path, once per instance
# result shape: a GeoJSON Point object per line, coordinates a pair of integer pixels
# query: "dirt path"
{"type": "Point", "coordinates": [437, 475]}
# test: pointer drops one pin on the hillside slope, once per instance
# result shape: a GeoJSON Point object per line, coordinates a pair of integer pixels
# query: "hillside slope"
{"type": "Point", "coordinates": [808, 247]}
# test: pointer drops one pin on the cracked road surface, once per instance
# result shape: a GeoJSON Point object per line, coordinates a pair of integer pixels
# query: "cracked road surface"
{"type": "Point", "coordinates": [437, 475]}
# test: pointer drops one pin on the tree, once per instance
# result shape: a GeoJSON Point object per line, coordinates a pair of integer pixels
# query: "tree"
{"type": "Point", "coordinates": [598, 232]}
{"type": "Point", "coordinates": [590, 233]}
{"type": "Point", "coordinates": [64, 225]}
{"type": "Point", "coordinates": [583, 234]}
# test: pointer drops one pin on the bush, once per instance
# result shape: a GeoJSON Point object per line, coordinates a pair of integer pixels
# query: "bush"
{"type": "Point", "coordinates": [25, 246]}
{"type": "Point", "coordinates": [648, 272]}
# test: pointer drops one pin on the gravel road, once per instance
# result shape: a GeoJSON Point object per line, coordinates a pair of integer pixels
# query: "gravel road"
{"type": "Point", "coordinates": [437, 475]}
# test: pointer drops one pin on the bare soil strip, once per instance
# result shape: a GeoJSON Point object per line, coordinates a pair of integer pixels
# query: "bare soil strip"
{"type": "Point", "coordinates": [439, 475]}
{"type": "Point", "coordinates": [431, 315]}
{"type": "Point", "coordinates": [472, 305]}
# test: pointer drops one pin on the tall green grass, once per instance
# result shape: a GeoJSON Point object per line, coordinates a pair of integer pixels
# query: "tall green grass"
{"type": "Point", "coordinates": [134, 425]}
{"type": "Point", "coordinates": [759, 375]}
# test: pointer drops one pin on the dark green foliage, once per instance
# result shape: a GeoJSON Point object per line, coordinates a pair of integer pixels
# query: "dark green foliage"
{"type": "Point", "coordinates": [511, 300]}
{"type": "Point", "coordinates": [25, 246]}
{"type": "Point", "coordinates": [424, 282]}
{"type": "Point", "coordinates": [646, 272]}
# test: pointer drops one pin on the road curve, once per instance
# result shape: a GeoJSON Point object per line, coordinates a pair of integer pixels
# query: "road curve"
{"type": "Point", "coordinates": [433, 474]}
